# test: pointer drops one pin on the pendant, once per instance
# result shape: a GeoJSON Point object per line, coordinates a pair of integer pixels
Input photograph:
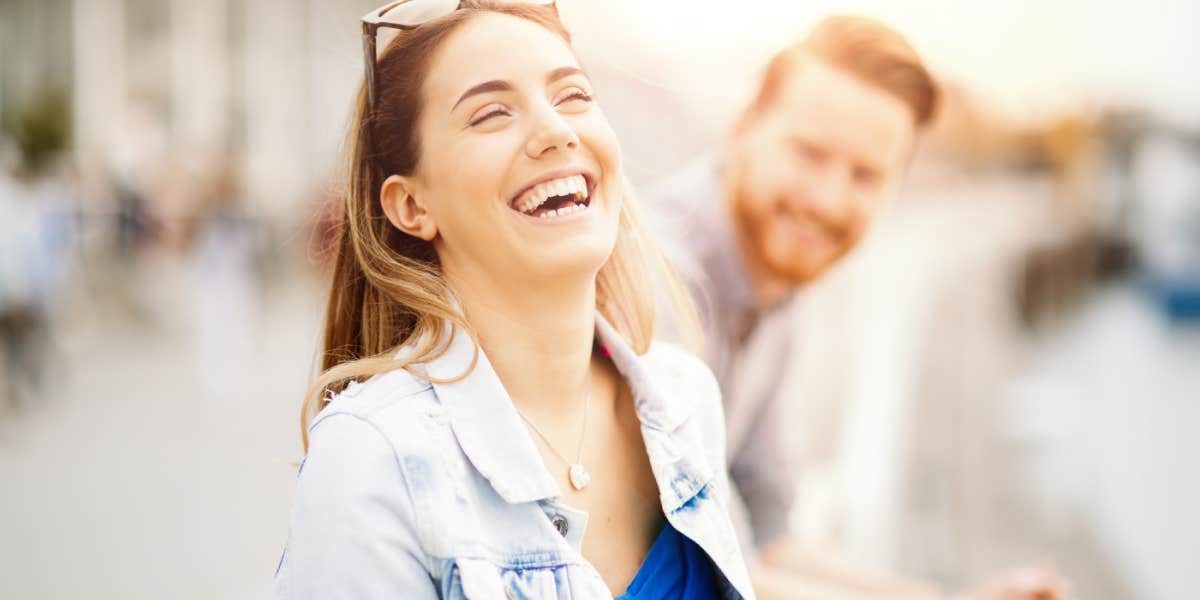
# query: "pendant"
{"type": "Point", "coordinates": [579, 476]}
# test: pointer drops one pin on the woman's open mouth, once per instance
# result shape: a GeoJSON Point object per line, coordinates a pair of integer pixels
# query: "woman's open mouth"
{"type": "Point", "coordinates": [554, 198]}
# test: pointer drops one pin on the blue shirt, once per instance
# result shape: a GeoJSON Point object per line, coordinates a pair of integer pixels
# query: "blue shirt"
{"type": "Point", "coordinates": [420, 490]}
{"type": "Point", "coordinates": [674, 569]}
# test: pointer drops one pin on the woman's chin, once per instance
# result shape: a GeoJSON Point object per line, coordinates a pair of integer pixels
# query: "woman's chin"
{"type": "Point", "coordinates": [557, 246]}
{"type": "Point", "coordinates": [575, 257]}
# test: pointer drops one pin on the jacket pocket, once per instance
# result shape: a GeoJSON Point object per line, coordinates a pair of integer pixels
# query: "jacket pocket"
{"type": "Point", "coordinates": [474, 579]}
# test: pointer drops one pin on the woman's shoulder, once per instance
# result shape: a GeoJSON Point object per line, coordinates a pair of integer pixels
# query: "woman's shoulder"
{"type": "Point", "coordinates": [386, 403]}
{"type": "Point", "coordinates": [355, 491]}
{"type": "Point", "coordinates": [672, 359]}
{"type": "Point", "coordinates": [684, 375]}
{"type": "Point", "coordinates": [379, 393]}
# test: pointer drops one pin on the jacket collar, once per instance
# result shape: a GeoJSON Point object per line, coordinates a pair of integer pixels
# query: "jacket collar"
{"type": "Point", "coordinates": [655, 408]}
{"type": "Point", "coordinates": [494, 439]}
{"type": "Point", "coordinates": [487, 426]}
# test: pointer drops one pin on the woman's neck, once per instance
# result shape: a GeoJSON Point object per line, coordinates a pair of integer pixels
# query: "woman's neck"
{"type": "Point", "coordinates": [537, 338]}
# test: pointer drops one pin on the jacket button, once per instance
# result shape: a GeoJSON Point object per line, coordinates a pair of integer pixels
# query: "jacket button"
{"type": "Point", "coordinates": [560, 523]}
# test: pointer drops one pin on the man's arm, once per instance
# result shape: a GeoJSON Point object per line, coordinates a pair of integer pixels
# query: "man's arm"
{"type": "Point", "coordinates": [789, 569]}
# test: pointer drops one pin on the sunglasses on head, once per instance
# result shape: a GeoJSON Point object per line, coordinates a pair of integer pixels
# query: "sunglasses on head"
{"type": "Point", "coordinates": [405, 15]}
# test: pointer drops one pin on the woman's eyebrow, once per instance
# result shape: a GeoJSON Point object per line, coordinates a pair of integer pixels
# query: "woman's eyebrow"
{"type": "Point", "coordinates": [497, 85]}
{"type": "Point", "coordinates": [494, 85]}
{"type": "Point", "coordinates": [561, 72]}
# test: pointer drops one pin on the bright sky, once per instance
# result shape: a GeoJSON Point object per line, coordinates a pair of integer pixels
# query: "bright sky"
{"type": "Point", "coordinates": [1029, 59]}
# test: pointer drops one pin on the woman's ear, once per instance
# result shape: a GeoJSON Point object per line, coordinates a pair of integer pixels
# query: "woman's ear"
{"type": "Point", "coordinates": [404, 210]}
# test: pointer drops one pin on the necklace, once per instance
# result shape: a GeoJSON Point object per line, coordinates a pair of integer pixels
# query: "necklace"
{"type": "Point", "coordinates": [576, 473]}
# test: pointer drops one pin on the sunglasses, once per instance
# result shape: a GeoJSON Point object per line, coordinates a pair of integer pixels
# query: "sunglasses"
{"type": "Point", "coordinates": [405, 15]}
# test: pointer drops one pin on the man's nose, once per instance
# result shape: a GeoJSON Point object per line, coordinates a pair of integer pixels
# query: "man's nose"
{"type": "Point", "coordinates": [829, 189]}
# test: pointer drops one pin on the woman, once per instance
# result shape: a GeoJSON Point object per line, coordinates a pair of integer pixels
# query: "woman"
{"type": "Point", "coordinates": [493, 420]}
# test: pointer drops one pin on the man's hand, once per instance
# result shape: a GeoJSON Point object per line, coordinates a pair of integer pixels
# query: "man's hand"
{"type": "Point", "coordinates": [790, 569]}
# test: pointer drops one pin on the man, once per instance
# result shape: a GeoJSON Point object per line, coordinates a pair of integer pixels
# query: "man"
{"type": "Point", "coordinates": [821, 148]}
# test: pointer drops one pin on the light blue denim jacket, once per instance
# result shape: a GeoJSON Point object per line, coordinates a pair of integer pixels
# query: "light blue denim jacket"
{"type": "Point", "coordinates": [418, 490]}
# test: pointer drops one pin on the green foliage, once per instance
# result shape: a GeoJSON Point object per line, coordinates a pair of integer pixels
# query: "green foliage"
{"type": "Point", "coordinates": [42, 131]}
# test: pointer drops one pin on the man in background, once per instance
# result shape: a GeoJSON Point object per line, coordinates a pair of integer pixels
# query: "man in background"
{"type": "Point", "coordinates": [823, 145]}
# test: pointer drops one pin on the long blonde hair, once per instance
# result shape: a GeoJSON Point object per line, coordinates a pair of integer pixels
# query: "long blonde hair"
{"type": "Point", "coordinates": [387, 289]}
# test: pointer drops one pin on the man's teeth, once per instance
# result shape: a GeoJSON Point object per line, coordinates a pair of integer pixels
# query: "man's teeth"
{"type": "Point", "coordinates": [574, 185]}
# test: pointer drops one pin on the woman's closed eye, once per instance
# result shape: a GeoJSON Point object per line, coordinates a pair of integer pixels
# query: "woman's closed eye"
{"type": "Point", "coordinates": [573, 95]}
{"type": "Point", "coordinates": [488, 113]}
{"type": "Point", "coordinates": [571, 98]}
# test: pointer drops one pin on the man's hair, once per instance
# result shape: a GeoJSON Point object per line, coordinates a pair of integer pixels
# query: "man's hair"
{"type": "Point", "coordinates": [868, 50]}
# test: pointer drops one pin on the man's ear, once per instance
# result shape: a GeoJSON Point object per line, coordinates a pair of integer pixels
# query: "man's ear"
{"type": "Point", "coordinates": [404, 210]}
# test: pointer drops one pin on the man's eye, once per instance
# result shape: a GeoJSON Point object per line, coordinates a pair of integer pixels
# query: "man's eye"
{"type": "Point", "coordinates": [809, 151]}
{"type": "Point", "coordinates": [499, 112]}
{"type": "Point", "coordinates": [867, 176]}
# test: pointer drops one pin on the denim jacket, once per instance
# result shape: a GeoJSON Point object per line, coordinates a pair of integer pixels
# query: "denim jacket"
{"type": "Point", "coordinates": [419, 490]}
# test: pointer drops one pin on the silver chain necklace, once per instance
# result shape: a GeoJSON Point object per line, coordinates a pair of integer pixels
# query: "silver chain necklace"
{"type": "Point", "coordinates": [576, 473]}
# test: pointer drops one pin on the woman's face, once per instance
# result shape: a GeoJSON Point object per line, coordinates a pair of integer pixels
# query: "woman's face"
{"type": "Point", "coordinates": [519, 170]}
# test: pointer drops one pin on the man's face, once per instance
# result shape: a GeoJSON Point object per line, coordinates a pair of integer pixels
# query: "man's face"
{"type": "Point", "coordinates": [812, 169]}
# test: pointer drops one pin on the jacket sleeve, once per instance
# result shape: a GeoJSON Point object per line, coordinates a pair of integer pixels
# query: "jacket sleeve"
{"type": "Point", "coordinates": [353, 530]}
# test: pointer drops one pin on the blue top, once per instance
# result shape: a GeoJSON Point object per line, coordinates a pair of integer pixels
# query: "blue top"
{"type": "Point", "coordinates": [675, 569]}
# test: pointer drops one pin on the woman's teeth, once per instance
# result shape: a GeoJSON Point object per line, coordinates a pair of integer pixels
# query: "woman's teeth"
{"type": "Point", "coordinates": [562, 212]}
{"type": "Point", "coordinates": [573, 189]}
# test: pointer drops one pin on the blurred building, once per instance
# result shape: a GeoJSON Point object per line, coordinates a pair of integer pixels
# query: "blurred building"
{"type": "Point", "coordinates": [194, 85]}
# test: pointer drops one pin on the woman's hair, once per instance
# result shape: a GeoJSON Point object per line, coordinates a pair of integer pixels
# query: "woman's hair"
{"type": "Point", "coordinates": [387, 289]}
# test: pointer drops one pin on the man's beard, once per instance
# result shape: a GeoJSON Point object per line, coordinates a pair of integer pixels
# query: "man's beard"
{"type": "Point", "coordinates": [801, 265]}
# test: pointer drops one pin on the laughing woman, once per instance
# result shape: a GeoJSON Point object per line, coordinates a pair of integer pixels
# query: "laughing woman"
{"type": "Point", "coordinates": [493, 420]}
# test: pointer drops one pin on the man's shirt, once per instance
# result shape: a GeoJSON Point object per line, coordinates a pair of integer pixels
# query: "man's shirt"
{"type": "Point", "coordinates": [747, 347]}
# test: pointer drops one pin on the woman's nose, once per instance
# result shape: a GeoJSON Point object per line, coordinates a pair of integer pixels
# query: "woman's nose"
{"type": "Point", "coordinates": [550, 132]}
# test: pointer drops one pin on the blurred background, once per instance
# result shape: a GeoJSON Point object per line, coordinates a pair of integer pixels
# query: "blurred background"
{"type": "Point", "coordinates": [1007, 371]}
